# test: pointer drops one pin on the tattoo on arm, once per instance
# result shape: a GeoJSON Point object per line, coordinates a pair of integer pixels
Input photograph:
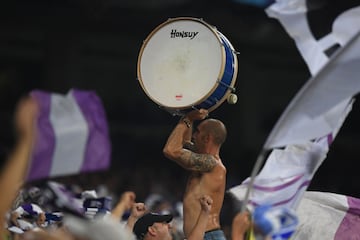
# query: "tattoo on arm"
{"type": "Point", "coordinates": [197, 162]}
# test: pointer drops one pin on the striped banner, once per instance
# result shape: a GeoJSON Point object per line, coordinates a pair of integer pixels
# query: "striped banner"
{"type": "Point", "coordinates": [327, 35]}
{"type": "Point", "coordinates": [288, 172]}
{"type": "Point", "coordinates": [285, 176]}
{"type": "Point", "coordinates": [72, 135]}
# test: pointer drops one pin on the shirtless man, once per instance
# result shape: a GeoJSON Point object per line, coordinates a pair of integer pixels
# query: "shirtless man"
{"type": "Point", "coordinates": [207, 172]}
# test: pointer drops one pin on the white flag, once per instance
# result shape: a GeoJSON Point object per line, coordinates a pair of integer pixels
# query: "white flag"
{"type": "Point", "coordinates": [323, 99]}
{"type": "Point", "coordinates": [317, 27]}
{"type": "Point", "coordinates": [328, 216]}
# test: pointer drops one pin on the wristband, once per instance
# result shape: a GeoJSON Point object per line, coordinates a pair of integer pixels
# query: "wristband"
{"type": "Point", "coordinates": [186, 121]}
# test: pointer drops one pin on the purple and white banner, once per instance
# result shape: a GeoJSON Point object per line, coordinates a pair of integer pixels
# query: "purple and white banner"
{"type": "Point", "coordinates": [302, 136]}
{"type": "Point", "coordinates": [288, 172]}
{"type": "Point", "coordinates": [328, 216]}
{"type": "Point", "coordinates": [285, 176]}
{"type": "Point", "coordinates": [72, 135]}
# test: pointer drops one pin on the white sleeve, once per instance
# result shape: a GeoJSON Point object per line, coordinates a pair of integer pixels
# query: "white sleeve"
{"type": "Point", "coordinates": [36, 208]}
{"type": "Point", "coordinates": [19, 211]}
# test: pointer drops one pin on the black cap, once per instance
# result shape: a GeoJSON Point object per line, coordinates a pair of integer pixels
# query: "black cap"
{"type": "Point", "coordinates": [147, 220]}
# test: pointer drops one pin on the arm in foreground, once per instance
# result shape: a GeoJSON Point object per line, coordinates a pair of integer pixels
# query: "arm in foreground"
{"type": "Point", "coordinates": [137, 211]}
{"type": "Point", "coordinates": [180, 136]}
{"type": "Point", "coordinates": [13, 174]}
{"type": "Point", "coordinates": [125, 203]}
{"type": "Point", "coordinates": [198, 231]}
{"type": "Point", "coordinates": [240, 225]}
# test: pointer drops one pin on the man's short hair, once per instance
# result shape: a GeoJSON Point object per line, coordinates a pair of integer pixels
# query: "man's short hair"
{"type": "Point", "coordinates": [217, 129]}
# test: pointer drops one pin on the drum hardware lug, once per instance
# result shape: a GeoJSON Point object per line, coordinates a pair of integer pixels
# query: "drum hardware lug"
{"type": "Point", "coordinates": [236, 52]}
{"type": "Point", "coordinates": [226, 85]}
{"type": "Point", "coordinates": [232, 98]}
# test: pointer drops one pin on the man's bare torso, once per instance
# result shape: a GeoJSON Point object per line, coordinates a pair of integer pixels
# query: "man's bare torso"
{"type": "Point", "coordinates": [211, 183]}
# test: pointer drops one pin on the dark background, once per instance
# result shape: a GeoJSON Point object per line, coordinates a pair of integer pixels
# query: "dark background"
{"type": "Point", "coordinates": [94, 45]}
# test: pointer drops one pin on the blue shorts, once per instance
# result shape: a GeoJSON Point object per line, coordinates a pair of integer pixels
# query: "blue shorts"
{"type": "Point", "coordinates": [216, 234]}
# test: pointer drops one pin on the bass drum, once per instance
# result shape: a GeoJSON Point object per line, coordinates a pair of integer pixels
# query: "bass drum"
{"type": "Point", "coordinates": [187, 64]}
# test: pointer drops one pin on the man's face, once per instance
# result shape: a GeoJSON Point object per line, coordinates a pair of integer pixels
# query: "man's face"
{"type": "Point", "coordinates": [198, 138]}
{"type": "Point", "coordinates": [41, 219]}
{"type": "Point", "coordinates": [163, 230]}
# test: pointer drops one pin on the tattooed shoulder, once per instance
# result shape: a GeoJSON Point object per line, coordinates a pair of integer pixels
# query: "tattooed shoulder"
{"type": "Point", "coordinates": [202, 162]}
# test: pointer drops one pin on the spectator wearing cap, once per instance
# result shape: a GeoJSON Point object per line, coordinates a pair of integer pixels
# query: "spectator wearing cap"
{"type": "Point", "coordinates": [153, 226]}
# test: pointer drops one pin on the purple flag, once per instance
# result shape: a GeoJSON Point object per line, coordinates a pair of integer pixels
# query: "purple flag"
{"type": "Point", "coordinates": [72, 135]}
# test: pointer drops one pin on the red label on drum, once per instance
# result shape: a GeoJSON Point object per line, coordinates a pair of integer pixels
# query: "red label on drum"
{"type": "Point", "coordinates": [178, 97]}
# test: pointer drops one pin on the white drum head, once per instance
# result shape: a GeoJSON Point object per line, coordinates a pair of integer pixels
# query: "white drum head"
{"type": "Point", "coordinates": [180, 63]}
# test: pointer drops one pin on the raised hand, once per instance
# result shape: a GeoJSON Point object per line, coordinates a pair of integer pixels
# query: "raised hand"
{"type": "Point", "coordinates": [206, 203]}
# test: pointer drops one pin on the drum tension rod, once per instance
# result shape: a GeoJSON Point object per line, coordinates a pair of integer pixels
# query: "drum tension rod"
{"type": "Point", "coordinates": [198, 109]}
{"type": "Point", "coordinates": [195, 108]}
{"type": "Point", "coordinates": [226, 85]}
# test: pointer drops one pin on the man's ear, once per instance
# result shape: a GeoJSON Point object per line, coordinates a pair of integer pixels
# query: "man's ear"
{"type": "Point", "coordinates": [207, 138]}
{"type": "Point", "coordinates": [152, 231]}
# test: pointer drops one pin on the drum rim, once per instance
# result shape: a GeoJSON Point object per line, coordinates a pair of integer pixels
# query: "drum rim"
{"type": "Point", "coordinates": [233, 80]}
{"type": "Point", "coordinates": [220, 75]}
